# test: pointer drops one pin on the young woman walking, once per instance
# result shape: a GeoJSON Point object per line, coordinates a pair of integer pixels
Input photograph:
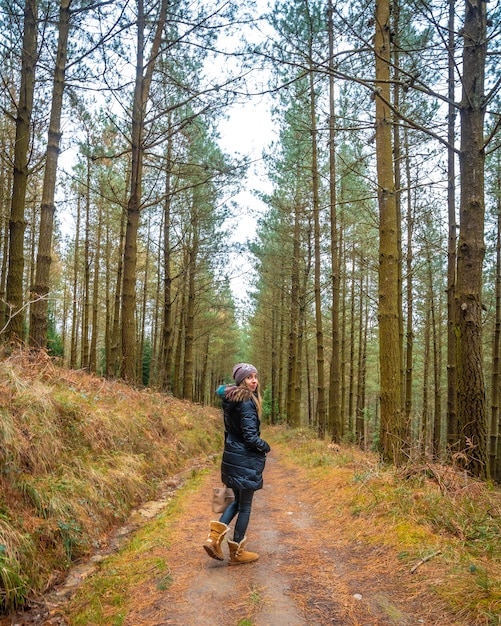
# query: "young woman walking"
{"type": "Point", "coordinates": [244, 458]}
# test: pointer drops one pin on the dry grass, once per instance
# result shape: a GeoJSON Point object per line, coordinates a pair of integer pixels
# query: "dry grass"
{"type": "Point", "coordinates": [77, 453]}
{"type": "Point", "coordinates": [407, 516]}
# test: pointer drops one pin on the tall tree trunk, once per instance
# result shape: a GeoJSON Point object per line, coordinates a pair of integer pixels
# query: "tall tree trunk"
{"type": "Point", "coordinates": [397, 161]}
{"type": "Point", "coordinates": [189, 336]}
{"type": "Point", "coordinates": [179, 347]}
{"type": "Point", "coordinates": [128, 307]}
{"type": "Point", "coordinates": [335, 418]}
{"type": "Point", "coordinates": [452, 418]}
{"type": "Point", "coordinates": [33, 219]}
{"type": "Point", "coordinates": [276, 312]}
{"type": "Point", "coordinates": [157, 315]}
{"type": "Point", "coordinates": [93, 357]}
{"type": "Point", "coordinates": [302, 341]}
{"type": "Point", "coordinates": [75, 309]}
{"type": "Point", "coordinates": [434, 356]}
{"type": "Point", "coordinates": [86, 301]}
{"type": "Point", "coordinates": [201, 395]}
{"type": "Point", "coordinates": [359, 404]}
{"type": "Point", "coordinates": [496, 345]}
{"type": "Point", "coordinates": [108, 295]}
{"type": "Point", "coordinates": [293, 362]}
{"type": "Point", "coordinates": [144, 302]}
{"type": "Point", "coordinates": [5, 184]}
{"type": "Point", "coordinates": [471, 406]}
{"type": "Point", "coordinates": [343, 299]}
{"type": "Point", "coordinates": [65, 320]}
{"type": "Point", "coordinates": [279, 374]}
{"type": "Point", "coordinates": [391, 430]}
{"type": "Point", "coordinates": [40, 290]}
{"type": "Point", "coordinates": [167, 330]}
{"type": "Point", "coordinates": [141, 95]}
{"type": "Point", "coordinates": [351, 377]}
{"type": "Point", "coordinates": [425, 417]}
{"type": "Point", "coordinates": [321, 404]}
{"type": "Point", "coordinates": [17, 223]}
{"type": "Point", "coordinates": [409, 335]}
{"type": "Point", "coordinates": [113, 365]}
{"type": "Point", "coordinates": [364, 317]}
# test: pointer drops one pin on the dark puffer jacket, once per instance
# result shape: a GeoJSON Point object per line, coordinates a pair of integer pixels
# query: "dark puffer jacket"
{"type": "Point", "coordinates": [244, 455]}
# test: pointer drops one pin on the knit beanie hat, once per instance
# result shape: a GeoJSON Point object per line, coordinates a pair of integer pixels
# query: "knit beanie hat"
{"type": "Point", "coordinates": [242, 370]}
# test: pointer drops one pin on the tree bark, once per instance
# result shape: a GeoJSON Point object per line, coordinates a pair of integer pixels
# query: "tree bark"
{"type": "Point", "coordinates": [86, 302]}
{"type": "Point", "coordinates": [452, 422]}
{"type": "Point", "coordinates": [294, 358]}
{"type": "Point", "coordinates": [360, 391]}
{"type": "Point", "coordinates": [179, 346]}
{"type": "Point", "coordinates": [17, 222]}
{"type": "Point", "coordinates": [189, 335]}
{"type": "Point", "coordinates": [409, 334]}
{"type": "Point", "coordinates": [496, 348]}
{"type": "Point", "coordinates": [335, 418]}
{"type": "Point", "coordinates": [351, 359]}
{"type": "Point", "coordinates": [471, 404]}
{"type": "Point", "coordinates": [144, 301]}
{"type": "Point", "coordinates": [167, 330]}
{"type": "Point", "coordinates": [321, 405]}
{"type": "Point", "coordinates": [397, 167]}
{"type": "Point", "coordinates": [389, 315]}
{"type": "Point", "coordinates": [93, 356]}
{"type": "Point", "coordinates": [75, 305]}
{"type": "Point", "coordinates": [113, 365]}
{"type": "Point", "coordinates": [40, 290]}
{"type": "Point", "coordinates": [141, 95]}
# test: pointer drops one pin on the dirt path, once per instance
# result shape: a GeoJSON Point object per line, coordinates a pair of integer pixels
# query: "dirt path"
{"type": "Point", "coordinates": [305, 575]}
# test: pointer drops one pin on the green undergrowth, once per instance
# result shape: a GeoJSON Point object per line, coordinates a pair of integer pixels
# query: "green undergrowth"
{"type": "Point", "coordinates": [426, 513]}
{"type": "Point", "coordinates": [77, 453]}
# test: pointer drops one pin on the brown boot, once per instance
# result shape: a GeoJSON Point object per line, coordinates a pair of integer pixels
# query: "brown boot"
{"type": "Point", "coordinates": [213, 544]}
{"type": "Point", "coordinates": [239, 555]}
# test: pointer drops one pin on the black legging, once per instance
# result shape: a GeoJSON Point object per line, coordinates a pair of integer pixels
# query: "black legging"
{"type": "Point", "coordinates": [242, 504]}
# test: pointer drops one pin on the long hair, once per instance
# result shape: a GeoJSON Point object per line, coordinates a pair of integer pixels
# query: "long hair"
{"type": "Point", "coordinates": [256, 397]}
{"type": "Point", "coordinates": [258, 401]}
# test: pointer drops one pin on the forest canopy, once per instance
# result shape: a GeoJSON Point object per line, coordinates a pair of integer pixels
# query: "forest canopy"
{"type": "Point", "coordinates": [372, 304]}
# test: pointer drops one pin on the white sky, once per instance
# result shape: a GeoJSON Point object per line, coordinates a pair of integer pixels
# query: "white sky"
{"type": "Point", "coordinates": [248, 131]}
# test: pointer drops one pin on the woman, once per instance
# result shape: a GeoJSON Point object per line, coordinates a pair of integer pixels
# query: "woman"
{"type": "Point", "coordinates": [244, 458]}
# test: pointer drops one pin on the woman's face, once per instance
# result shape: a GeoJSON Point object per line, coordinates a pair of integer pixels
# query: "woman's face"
{"type": "Point", "coordinates": [251, 381]}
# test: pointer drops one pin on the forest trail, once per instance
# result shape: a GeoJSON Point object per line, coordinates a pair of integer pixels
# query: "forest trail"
{"type": "Point", "coordinates": [306, 574]}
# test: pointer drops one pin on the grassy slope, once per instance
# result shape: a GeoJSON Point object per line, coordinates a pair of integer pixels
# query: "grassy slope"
{"type": "Point", "coordinates": [77, 452]}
